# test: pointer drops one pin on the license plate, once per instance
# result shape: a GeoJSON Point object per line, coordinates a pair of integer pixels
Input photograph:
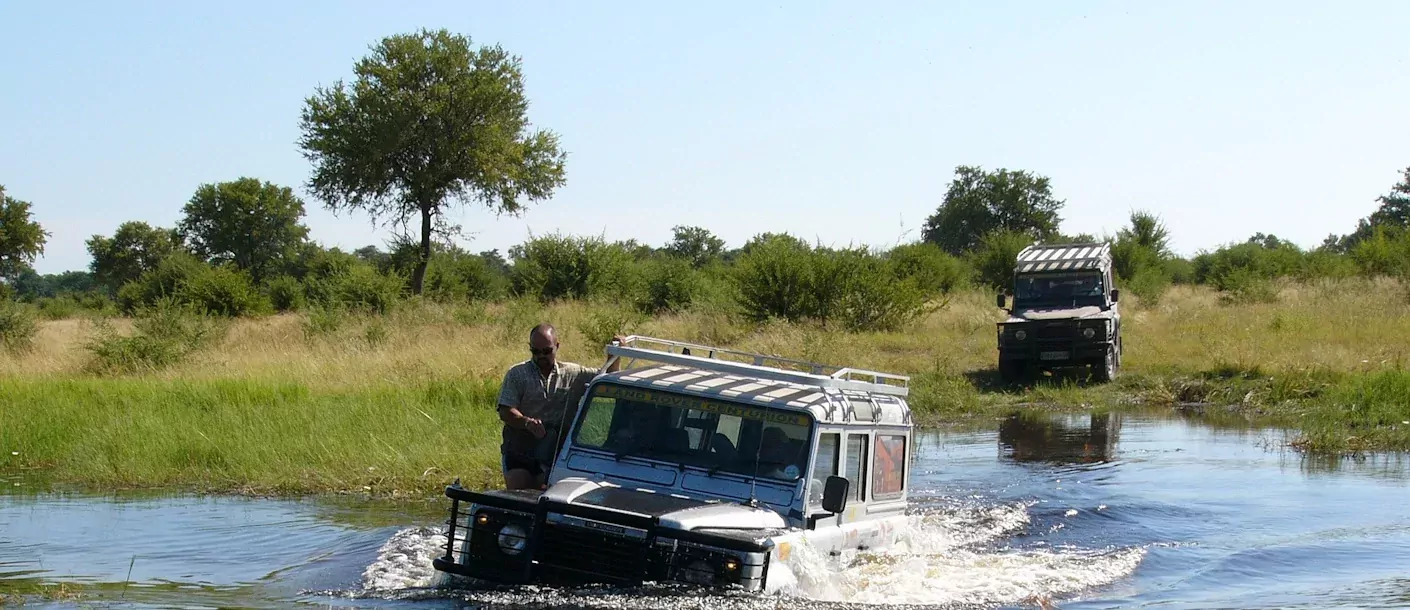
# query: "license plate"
{"type": "Point", "coordinates": [1055, 355]}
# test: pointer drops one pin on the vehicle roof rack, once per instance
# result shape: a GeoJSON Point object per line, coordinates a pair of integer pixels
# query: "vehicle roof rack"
{"type": "Point", "coordinates": [762, 366]}
{"type": "Point", "coordinates": [1063, 257]}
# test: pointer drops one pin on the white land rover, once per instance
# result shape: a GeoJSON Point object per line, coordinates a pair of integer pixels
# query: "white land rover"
{"type": "Point", "coordinates": [700, 465]}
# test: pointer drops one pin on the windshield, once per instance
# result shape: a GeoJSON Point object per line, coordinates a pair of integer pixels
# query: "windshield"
{"type": "Point", "coordinates": [693, 431]}
{"type": "Point", "coordinates": [1070, 289]}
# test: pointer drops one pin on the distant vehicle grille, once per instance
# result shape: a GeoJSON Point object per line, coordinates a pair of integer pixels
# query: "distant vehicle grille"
{"type": "Point", "coordinates": [1056, 331]}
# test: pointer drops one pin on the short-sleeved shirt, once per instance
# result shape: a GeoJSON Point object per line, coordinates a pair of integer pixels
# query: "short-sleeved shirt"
{"type": "Point", "coordinates": [545, 399]}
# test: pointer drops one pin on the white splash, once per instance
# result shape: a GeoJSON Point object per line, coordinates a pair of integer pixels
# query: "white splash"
{"type": "Point", "coordinates": [950, 556]}
{"type": "Point", "coordinates": [404, 561]}
{"type": "Point", "coordinates": [937, 562]}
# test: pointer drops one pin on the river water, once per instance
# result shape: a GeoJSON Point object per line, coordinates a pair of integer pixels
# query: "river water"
{"type": "Point", "coordinates": [1068, 511]}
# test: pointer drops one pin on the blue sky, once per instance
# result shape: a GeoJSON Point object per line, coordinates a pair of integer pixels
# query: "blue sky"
{"type": "Point", "coordinates": [832, 121]}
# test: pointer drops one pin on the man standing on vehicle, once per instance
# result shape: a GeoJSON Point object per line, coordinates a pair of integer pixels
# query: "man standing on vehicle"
{"type": "Point", "coordinates": [536, 403]}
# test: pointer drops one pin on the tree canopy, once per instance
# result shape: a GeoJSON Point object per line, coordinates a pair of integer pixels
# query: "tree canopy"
{"type": "Point", "coordinates": [978, 203]}
{"type": "Point", "coordinates": [135, 248]}
{"type": "Point", "coordinates": [252, 224]}
{"type": "Point", "coordinates": [428, 122]}
{"type": "Point", "coordinates": [21, 238]}
{"type": "Point", "coordinates": [695, 244]}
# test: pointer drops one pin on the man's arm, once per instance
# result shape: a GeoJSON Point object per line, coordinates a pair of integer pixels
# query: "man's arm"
{"type": "Point", "coordinates": [514, 419]}
{"type": "Point", "coordinates": [617, 362]}
{"type": "Point", "coordinates": [508, 403]}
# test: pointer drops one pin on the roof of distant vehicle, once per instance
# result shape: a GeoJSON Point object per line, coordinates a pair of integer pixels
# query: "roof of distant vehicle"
{"type": "Point", "coordinates": [1063, 257]}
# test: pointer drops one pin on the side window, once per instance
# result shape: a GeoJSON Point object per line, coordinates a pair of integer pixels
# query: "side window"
{"type": "Point", "coordinates": [857, 464]}
{"type": "Point", "coordinates": [829, 449]}
{"type": "Point", "coordinates": [888, 476]}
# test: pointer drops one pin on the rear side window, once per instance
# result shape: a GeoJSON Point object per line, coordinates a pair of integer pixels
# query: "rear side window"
{"type": "Point", "coordinates": [857, 464]}
{"type": "Point", "coordinates": [829, 450]}
{"type": "Point", "coordinates": [889, 471]}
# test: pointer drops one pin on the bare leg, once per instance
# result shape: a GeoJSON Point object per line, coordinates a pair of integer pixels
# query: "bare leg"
{"type": "Point", "coordinates": [518, 478]}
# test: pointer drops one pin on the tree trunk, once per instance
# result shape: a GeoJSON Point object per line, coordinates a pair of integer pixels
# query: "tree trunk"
{"type": "Point", "coordinates": [418, 277]}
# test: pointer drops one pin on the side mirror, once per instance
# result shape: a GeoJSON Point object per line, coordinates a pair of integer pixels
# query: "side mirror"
{"type": "Point", "coordinates": [1002, 301]}
{"type": "Point", "coordinates": [1115, 295]}
{"type": "Point", "coordinates": [835, 494]}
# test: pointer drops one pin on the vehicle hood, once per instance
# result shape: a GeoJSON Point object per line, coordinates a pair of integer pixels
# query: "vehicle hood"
{"type": "Point", "coordinates": [671, 510]}
{"type": "Point", "coordinates": [1064, 313]}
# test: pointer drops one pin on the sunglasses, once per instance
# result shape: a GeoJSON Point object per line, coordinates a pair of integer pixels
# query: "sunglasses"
{"type": "Point", "coordinates": [544, 351]}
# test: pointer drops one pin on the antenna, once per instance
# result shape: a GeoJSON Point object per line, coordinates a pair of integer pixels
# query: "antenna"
{"type": "Point", "coordinates": [754, 480]}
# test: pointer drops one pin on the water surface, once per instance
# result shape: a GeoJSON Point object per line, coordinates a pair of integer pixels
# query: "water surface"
{"type": "Point", "coordinates": [1070, 511]}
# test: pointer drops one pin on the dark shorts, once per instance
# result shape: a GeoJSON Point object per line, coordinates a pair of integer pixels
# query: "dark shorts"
{"type": "Point", "coordinates": [515, 461]}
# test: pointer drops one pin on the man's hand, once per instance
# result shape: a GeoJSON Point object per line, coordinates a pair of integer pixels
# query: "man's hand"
{"type": "Point", "coordinates": [535, 427]}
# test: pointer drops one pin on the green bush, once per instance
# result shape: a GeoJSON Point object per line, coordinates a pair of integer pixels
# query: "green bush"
{"type": "Point", "coordinates": [1180, 270]}
{"type": "Point", "coordinates": [457, 277]}
{"type": "Point", "coordinates": [860, 290]}
{"type": "Point", "coordinates": [58, 308]}
{"type": "Point", "coordinates": [359, 287]}
{"type": "Point", "coordinates": [1149, 285]}
{"type": "Point", "coordinates": [164, 334]}
{"type": "Point", "coordinates": [163, 282]}
{"type": "Point", "coordinates": [996, 256]}
{"type": "Point", "coordinates": [285, 294]}
{"type": "Point", "coordinates": [17, 327]}
{"type": "Point", "coordinates": [932, 270]}
{"type": "Point", "coordinates": [604, 322]}
{"type": "Point", "coordinates": [556, 267]}
{"type": "Point", "coordinates": [775, 280]}
{"type": "Point", "coordinates": [222, 291]}
{"type": "Point", "coordinates": [1384, 253]}
{"type": "Point", "coordinates": [320, 321]}
{"type": "Point", "coordinates": [784, 278]}
{"type": "Point", "coordinates": [1325, 264]}
{"type": "Point", "coordinates": [1264, 258]}
{"type": "Point", "coordinates": [671, 285]}
{"type": "Point", "coordinates": [1243, 287]}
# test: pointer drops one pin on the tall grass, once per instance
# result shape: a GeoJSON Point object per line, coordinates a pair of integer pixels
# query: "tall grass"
{"type": "Point", "coordinates": [249, 435]}
{"type": "Point", "coordinates": [265, 407]}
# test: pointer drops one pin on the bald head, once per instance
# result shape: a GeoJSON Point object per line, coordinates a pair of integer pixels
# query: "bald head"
{"type": "Point", "coordinates": [543, 331]}
{"type": "Point", "coordinates": [543, 344]}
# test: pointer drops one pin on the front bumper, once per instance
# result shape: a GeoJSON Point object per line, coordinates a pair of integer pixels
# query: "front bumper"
{"type": "Point", "coordinates": [1053, 343]}
{"type": "Point", "coordinates": [570, 544]}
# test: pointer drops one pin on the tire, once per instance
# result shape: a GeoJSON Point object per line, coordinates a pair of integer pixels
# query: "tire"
{"type": "Point", "coordinates": [1104, 370]}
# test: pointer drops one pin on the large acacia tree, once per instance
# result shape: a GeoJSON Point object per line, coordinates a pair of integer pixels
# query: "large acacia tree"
{"type": "Point", "coordinates": [428, 122]}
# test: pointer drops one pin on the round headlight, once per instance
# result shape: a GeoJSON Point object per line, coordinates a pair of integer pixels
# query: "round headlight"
{"type": "Point", "coordinates": [1020, 335]}
{"type": "Point", "coordinates": [1089, 332]}
{"type": "Point", "coordinates": [513, 539]}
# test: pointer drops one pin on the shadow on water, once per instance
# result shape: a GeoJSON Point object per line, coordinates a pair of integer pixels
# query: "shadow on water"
{"type": "Point", "coordinates": [1060, 439]}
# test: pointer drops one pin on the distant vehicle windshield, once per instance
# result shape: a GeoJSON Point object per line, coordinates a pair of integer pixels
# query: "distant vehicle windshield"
{"type": "Point", "coordinates": [1060, 289]}
{"type": "Point", "coordinates": [693, 431]}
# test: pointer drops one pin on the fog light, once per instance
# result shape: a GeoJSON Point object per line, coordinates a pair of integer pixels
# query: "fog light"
{"type": "Point", "coordinates": [482, 519]}
{"type": "Point", "coordinates": [731, 565]}
{"type": "Point", "coordinates": [1089, 332]}
{"type": "Point", "coordinates": [698, 572]}
{"type": "Point", "coordinates": [513, 539]}
{"type": "Point", "coordinates": [1021, 335]}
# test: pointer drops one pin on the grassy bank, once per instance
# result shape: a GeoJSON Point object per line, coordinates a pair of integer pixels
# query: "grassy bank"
{"type": "Point", "coordinates": [403, 403]}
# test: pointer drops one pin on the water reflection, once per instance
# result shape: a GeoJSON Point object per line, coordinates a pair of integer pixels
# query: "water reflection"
{"type": "Point", "coordinates": [1084, 438]}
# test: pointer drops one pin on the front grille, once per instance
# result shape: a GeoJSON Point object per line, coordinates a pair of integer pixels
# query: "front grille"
{"type": "Point", "coordinates": [590, 555]}
{"type": "Point", "coordinates": [1053, 332]}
